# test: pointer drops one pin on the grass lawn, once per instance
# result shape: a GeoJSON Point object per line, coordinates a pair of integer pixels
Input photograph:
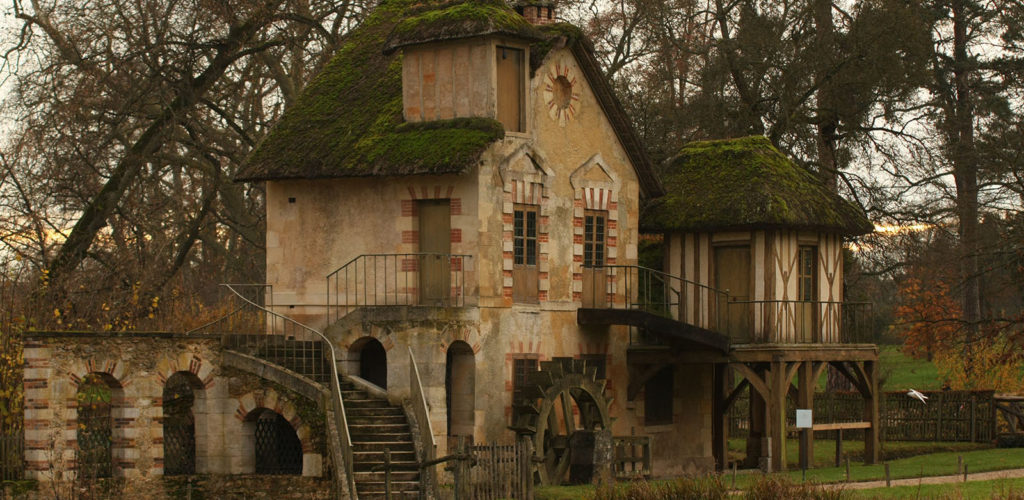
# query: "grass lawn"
{"type": "Point", "coordinates": [934, 464]}
{"type": "Point", "coordinates": [825, 450]}
{"type": "Point", "coordinates": [900, 372]}
{"type": "Point", "coordinates": [997, 488]}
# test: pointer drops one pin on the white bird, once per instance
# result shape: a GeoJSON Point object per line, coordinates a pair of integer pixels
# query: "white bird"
{"type": "Point", "coordinates": [914, 393]}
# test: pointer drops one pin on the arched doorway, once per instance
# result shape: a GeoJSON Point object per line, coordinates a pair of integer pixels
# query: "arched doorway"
{"type": "Point", "coordinates": [179, 423]}
{"type": "Point", "coordinates": [95, 399]}
{"type": "Point", "coordinates": [460, 389]}
{"type": "Point", "coordinates": [277, 446]}
{"type": "Point", "coordinates": [372, 361]}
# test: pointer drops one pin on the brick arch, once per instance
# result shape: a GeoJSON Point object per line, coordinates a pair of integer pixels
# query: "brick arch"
{"type": "Point", "coordinates": [451, 335]}
{"type": "Point", "coordinates": [185, 361]}
{"type": "Point", "coordinates": [269, 399]}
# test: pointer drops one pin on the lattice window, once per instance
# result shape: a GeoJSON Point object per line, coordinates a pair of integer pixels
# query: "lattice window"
{"type": "Point", "coordinates": [179, 427]}
{"type": "Point", "coordinates": [807, 274]}
{"type": "Point", "coordinates": [521, 369]}
{"type": "Point", "coordinates": [594, 224]}
{"type": "Point", "coordinates": [95, 424]}
{"type": "Point", "coordinates": [278, 449]}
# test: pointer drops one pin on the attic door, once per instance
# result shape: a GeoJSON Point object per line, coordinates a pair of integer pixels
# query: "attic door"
{"type": "Point", "coordinates": [435, 247]}
{"type": "Point", "coordinates": [732, 273]}
{"type": "Point", "coordinates": [511, 92]}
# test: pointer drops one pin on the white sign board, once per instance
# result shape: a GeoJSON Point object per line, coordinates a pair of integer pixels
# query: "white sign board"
{"type": "Point", "coordinates": [803, 419]}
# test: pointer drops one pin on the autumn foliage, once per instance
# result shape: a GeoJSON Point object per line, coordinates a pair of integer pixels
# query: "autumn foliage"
{"type": "Point", "coordinates": [930, 322]}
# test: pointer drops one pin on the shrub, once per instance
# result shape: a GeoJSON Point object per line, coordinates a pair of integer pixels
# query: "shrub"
{"type": "Point", "coordinates": [702, 488]}
{"type": "Point", "coordinates": [778, 487]}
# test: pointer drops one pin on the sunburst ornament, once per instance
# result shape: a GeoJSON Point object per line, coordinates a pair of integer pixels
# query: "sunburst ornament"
{"type": "Point", "coordinates": [561, 95]}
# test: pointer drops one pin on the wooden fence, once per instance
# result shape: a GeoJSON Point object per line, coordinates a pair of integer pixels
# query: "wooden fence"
{"type": "Point", "coordinates": [947, 416]}
{"type": "Point", "coordinates": [500, 471]}
{"type": "Point", "coordinates": [12, 463]}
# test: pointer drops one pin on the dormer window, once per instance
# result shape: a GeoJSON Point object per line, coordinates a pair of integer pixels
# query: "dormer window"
{"type": "Point", "coordinates": [511, 88]}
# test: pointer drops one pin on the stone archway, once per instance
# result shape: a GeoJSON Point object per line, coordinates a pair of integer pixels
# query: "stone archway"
{"type": "Point", "coordinates": [181, 393]}
{"type": "Point", "coordinates": [371, 361]}
{"type": "Point", "coordinates": [460, 389]}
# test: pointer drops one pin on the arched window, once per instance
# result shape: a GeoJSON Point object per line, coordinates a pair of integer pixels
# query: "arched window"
{"type": "Point", "coordinates": [179, 424]}
{"type": "Point", "coordinates": [278, 449]}
{"type": "Point", "coordinates": [95, 436]}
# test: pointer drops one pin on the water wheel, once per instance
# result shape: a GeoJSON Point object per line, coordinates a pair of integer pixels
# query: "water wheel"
{"type": "Point", "coordinates": [562, 398]}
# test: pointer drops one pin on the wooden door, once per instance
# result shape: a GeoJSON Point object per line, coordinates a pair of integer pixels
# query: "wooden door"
{"type": "Point", "coordinates": [511, 82]}
{"type": "Point", "coordinates": [806, 314]}
{"type": "Point", "coordinates": [435, 247]}
{"type": "Point", "coordinates": [732, 273]}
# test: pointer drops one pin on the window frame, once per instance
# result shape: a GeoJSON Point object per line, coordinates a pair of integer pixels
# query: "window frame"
{"type": "Point", "coordinates": [807, 278]}
{"type": "Point", "coordinates": [595, 244]}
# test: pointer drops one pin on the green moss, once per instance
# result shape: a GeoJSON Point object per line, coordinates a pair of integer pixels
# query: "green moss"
{"type": "Point", "coordinates": [460, 19]}
{"type": "Point", "coordinates": [348, 121]}
{"type": "Point", "coordinates": [554, 36]}
{"type": "Point", "coordinates": [746, 183]}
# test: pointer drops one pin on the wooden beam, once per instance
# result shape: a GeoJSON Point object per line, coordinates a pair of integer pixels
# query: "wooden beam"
{"type": "Point", "coordinates": [842, 425]}
{"type": "Point", "coordinates": [862, 375]}
{"type": "Point", "coordinates": [859, 384]}
{"type": "Point", "coordinates": [755, 380]}
{"type": "Point", "coordinates": [727, 404]}
{"type": "Point", "coordinates": [805, 400]}
{"type": "Point", "coordinates": [765, 353]}
{"type": "Point", "coordinates": [819, 368]}
{"type": "Point", "coordinates": [640, 380]}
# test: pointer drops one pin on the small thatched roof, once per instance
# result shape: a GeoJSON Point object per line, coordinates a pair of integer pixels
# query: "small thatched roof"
{"type": "Point", "coordinates": [460, 19]}
{"type": "Point", "coordinates": [746, 183]}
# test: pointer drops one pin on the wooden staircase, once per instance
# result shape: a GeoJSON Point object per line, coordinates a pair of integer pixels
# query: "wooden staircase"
{"type": "Point", "coordinates": [377, 425]}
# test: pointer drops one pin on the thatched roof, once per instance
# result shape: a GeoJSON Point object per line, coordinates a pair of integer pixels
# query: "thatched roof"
{"type": "Point", "coordinates": [348, 121]}
{"type": "Point", "coordinates": [746, 183]}
{"type": "Point", "coordinates": [457, 20]}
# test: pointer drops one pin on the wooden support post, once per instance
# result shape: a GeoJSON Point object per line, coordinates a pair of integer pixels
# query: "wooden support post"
{"type": "Point", "coordinates": [777, 415]}
{"type": "Point", "coordinates": [805, 399]}
{"type": "Point", "coordinates": [872, 435]}
{"type": "Point", "coordinates": [839, 446]}
{"type": "Point", "coordinates": [720, 416]}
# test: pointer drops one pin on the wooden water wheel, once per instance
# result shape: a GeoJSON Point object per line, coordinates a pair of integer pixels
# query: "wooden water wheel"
{"type": "Point", "coordinates": [562, 398]}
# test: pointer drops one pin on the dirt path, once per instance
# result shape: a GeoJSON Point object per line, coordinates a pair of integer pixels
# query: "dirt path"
{"type": "Point", "coordinates": [959, 478]}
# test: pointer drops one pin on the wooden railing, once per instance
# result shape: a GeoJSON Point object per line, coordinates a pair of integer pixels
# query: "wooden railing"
{"type": "Point", "coordinates": [655, 292]}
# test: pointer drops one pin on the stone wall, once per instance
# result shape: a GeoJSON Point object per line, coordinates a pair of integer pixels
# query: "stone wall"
{"type": "Point", "coordinates": [136, 367]}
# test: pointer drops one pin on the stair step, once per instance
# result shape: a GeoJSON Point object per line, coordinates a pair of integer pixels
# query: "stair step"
{"type": "Point", "coordinates": [372, 412]}
{"type": "Point", "coordinates": [364, 437]}
{"type": "Point", "coordinates": [377, 428]}
{"type": "Point", "coordinates": [359, 404]}
{"type": "Point", "coordinates": [396, 465]}
{"type": "Point", "coordinates": [379, 446]}
{"type": "Point", "coordinates": [379, 486]}
{"type": "Point", "coordinates": [377, 419]}
{"type": "Point", "coordinates": [370, 477]}
{"type": "Point", "coordinates": [378, 456]}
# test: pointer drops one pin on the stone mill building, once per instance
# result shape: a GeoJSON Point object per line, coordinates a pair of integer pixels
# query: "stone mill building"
{"type": "Point", "coordinates": [456, 207]}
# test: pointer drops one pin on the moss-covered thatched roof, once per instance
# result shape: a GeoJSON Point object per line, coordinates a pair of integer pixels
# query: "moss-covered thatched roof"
{"type": "Point", "coordinates": [348, 121]}
{"type": "Point", "coordinates": [743, 184]}
{"type": "Point", "coordinates": [460, 19]}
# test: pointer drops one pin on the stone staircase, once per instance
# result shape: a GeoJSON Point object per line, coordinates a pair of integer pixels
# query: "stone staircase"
{"type": "Point", "coordinates": [376, 425]}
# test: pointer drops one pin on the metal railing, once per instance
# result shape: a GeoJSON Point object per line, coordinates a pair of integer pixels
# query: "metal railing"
{"type": "Point", "coordinates": [253, 329]}
{"type": "Point", "coordinates": [403, 279]}
{"type": "Point", "coordinates": [422, 413]}
{"type": "Point", "coordinates": [656, 292]}
{"type": "Point", "coordinates": [794, 321]}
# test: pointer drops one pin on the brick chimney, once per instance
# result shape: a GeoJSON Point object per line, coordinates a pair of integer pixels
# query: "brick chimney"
{"type": "Point", "coordinates": [537, 12]}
